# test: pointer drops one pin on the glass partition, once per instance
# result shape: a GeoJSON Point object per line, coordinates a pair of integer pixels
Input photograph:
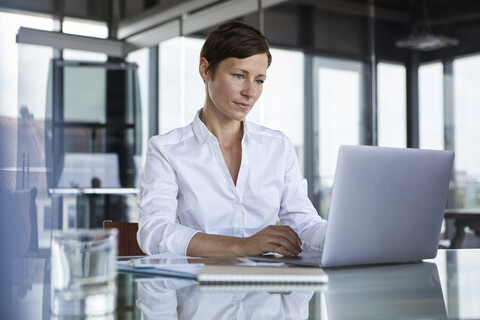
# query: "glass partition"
{"type": "Point", "coordinates": [94, 138]}
{"type": "Point", "coordinates": [94, 108]}
{"type": "Point", "coordinates": [31, 169]}
{"type": "Point", "coordinates": [25, 203]}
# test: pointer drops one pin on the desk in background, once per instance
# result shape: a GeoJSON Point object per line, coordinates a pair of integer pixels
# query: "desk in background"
{"type": "Point", "coordinates": [446, 286]}
{"type": "Point", "coordinates": [462, 218]}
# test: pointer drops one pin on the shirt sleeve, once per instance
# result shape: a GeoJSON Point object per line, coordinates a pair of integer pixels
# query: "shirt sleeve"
{"type": "Point", "coordinates": [158, 230]}
{"type": "Point", "coordinates": [296, 209]}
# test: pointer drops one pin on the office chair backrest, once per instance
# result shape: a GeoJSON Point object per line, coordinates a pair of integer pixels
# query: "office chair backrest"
{"type": "Point", "coordinates": [127, 237]}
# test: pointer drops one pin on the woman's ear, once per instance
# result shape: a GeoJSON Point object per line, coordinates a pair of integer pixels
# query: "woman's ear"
{"type": "Point", "coordinates": [203, 68]}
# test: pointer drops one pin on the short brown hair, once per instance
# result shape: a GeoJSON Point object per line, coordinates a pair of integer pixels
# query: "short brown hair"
{"type": "Point", "coordinates": [233, 39]}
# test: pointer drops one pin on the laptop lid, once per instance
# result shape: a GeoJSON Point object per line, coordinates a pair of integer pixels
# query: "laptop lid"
{"type": "Point", "coordinates": [387, 205]}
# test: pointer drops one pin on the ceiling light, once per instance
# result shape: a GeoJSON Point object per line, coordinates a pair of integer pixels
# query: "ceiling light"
{"type": "Point", "coordinates": [426, 42]}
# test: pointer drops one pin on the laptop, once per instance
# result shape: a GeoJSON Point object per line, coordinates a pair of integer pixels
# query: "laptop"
{"type": "Point", "coordinates": [386, 206]}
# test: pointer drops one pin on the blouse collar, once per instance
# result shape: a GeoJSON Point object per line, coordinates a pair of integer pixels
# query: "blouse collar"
{"type": "Point", "coordinates": [203, 134]}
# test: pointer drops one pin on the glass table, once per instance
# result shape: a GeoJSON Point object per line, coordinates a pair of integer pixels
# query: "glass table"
{"type": "Point", "coordinates": [447, 287]}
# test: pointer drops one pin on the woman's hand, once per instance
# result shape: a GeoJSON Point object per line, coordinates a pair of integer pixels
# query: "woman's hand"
{"type": "Point", "coordinates": [278, 239]}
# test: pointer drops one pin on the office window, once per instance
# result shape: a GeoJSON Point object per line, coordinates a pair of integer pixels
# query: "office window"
{"type": "Point", "coordinates": [79, 106]}
{"type": "Point", "coordinates": [340, 100]}
{"type": "Point", "coordinates": [9, 58]}
{"type": "Point", "coordinates": [467, 130]}
{"type": "Point", "coordinates": [281, 105]}
{"type": "Point", "coordinates": [84, 28]}
{"type": "Point", "coordinates": [431, 110]}
{"type": "Point", "coordinates": [141, 58]}
{"type": "Point", "coordinates": [391, 111]}
{"type": "Point", "coordinates": [182, 90]}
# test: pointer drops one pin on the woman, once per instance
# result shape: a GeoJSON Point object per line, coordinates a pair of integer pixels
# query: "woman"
{"type": "Point", "coordinates": [218, 186]}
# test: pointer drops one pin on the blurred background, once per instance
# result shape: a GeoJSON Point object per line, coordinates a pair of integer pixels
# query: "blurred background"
{"type": "Point", "coordinates": [84, 84]}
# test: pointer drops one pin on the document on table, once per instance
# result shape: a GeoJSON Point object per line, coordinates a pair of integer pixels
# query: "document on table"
{"type": "Point", "coordinates": [222, 270]}
{"type": "Point", "coordinates": [176, 266]}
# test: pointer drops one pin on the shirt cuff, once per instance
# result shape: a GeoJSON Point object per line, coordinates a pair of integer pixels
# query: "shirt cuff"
{"type": "Point", "coordinates": [176, 239]}
{"type": "Point", "coordinates": [188, 241]}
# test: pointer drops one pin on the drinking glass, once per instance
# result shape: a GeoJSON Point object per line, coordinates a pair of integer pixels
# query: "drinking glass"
{"type": "Point", "coordinates": [83, 272]}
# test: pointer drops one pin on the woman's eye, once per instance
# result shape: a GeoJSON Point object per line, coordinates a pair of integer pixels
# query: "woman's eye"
{"type": "Point", "coordinates": [259, 81]}
{"type": "Point", "coordinates": [238, 76]}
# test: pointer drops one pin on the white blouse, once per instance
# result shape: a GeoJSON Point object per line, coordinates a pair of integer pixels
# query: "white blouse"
{"type": "Point", "coordinates": [186, 188]}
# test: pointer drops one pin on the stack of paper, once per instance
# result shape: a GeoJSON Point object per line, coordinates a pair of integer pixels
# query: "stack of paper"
{"type": "Point", "coordinates": [241, 274]}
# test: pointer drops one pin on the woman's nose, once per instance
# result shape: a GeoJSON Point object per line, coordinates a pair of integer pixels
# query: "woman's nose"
{"type": "Point", "coordinates": [249, 90]}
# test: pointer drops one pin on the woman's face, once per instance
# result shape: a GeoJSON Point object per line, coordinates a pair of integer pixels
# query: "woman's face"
{"type": "Point", "coordinates": [235, 86]}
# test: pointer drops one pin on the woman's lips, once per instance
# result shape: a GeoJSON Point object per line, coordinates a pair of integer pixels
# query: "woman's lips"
{"type": "Point", "coordinates": [242, 105]}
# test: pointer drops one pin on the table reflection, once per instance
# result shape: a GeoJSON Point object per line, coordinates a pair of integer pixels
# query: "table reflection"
{"type": "Point", "coordinates": [406, 291]}
{"type": "Point", "coordinates": [186, 299]}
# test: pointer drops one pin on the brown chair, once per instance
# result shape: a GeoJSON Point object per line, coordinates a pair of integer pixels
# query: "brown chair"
{"type": "Point", "coordinates": [127, 237]}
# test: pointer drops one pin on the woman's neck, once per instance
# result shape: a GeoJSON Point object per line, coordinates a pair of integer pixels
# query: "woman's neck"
{"type": "Point", "coordinates": [227, 131]}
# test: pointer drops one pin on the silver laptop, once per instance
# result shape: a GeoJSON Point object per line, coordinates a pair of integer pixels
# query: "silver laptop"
{"type": "Point", "coordinates": [387, 206]}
